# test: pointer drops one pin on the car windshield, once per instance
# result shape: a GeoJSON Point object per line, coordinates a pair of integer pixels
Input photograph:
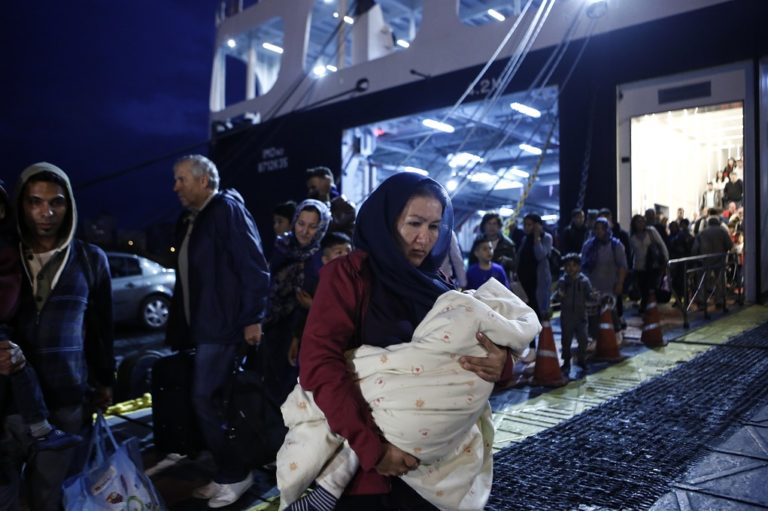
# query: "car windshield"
{"type": "Point", "coordinates": [151, 267]}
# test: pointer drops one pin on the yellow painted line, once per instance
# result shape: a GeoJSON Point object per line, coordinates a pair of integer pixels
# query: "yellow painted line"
{"type": "Point", "coordinates": [516, 422]}
{"type": "Point", "coordinates": [273, 503]}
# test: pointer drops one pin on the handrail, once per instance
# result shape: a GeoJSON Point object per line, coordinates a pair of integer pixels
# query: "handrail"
{"type": "Point", "coordinates": [709, 274]}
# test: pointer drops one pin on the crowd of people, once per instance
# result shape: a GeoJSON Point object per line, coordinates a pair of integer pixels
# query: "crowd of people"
{"type": "Point", "coordinates": [340, 287]}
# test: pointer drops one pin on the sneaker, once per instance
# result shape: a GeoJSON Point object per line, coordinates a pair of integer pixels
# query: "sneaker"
{"type": "Point", "coordinates": [230, 493]}
{"type": "Point", "coordinates": [56, 440]}
{"type": "Point", "coordinates": [207, 491]}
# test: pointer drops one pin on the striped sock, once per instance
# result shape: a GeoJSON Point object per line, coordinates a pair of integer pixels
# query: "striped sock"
{"type": "Point", "coordinates": [318, 500]}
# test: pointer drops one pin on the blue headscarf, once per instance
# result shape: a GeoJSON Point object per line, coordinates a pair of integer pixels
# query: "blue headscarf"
{"type": "Point", "coordinates": [376, 234]}
{"type": "Point", "coordinates": [289, 260]}
{"type": "Point", "coordinates": [287, 247]}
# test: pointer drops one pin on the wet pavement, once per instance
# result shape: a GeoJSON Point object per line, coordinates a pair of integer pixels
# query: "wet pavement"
{"type": "Point", "coordinates": [732, 475]}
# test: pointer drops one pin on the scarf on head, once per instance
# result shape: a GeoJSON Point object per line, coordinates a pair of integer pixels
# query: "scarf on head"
{"type": "Point", "coordinates": [287, 264]}
{"type": "Point", "coordinates": [402, 294]}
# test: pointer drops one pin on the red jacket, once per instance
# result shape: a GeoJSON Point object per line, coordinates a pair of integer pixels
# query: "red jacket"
{"type": "Point", "coordinates": [333, 327]}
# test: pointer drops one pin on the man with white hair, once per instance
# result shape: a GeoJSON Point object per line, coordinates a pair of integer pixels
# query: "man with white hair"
{"type": "Point", "coordinates": [219, 303]}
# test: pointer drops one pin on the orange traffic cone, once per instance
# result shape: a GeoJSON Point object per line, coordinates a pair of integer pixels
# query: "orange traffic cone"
{"type": "Point", "coordinates": [547, 371]}
{"type": "Point", "coordinates": [607, 347]}
{"type": "Point", "coordinates": [652, 335]}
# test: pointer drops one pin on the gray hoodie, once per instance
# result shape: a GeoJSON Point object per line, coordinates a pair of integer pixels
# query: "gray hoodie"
{"type": "Point", "coordinates": [52, 270]}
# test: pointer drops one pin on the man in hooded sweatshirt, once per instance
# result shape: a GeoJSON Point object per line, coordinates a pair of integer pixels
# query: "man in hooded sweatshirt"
{"type": "Point", "coordinates": [64, 329]}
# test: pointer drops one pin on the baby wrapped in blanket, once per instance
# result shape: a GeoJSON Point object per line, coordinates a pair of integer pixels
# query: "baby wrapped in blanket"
{"type": "Point", "coordinates": [422, 400]}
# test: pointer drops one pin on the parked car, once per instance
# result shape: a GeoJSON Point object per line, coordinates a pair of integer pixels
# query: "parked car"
{"type": "Point", "coordinates": [141, 289]}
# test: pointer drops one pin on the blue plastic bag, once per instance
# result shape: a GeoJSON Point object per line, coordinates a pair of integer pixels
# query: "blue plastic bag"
{"type": "Point", "coordinates": [113, 477]}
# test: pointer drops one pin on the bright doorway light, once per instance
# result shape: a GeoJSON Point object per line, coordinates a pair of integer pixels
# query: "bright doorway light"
{"type": "Point", "coordinates": [231, 43]}
{"type": "Point", "coordinates": [319, 70]}
{"type": "Point", "coordinates": [402, 43]}
{"type": "Point", "coordinates": [682, 149]}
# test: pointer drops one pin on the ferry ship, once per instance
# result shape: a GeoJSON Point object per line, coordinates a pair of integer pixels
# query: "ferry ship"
{"type": "Point", "coordinates": [515, 106]}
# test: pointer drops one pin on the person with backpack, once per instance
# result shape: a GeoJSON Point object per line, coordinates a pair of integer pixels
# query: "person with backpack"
{"type": "Point", "coordinates": [604, 262]}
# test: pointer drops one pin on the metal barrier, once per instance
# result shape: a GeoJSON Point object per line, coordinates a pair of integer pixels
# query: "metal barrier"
{"type": "Point", "coordinates": [703, 278]}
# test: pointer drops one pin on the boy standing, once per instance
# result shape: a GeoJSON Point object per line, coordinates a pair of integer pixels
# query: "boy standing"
{"type": "Point", "coordinates": [575, 291]}
{"type": "Point", "coordinates": [484, 268]}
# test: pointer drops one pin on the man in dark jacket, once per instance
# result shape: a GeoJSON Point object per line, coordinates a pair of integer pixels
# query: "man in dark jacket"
{"type": "Point", "coordinates": [219, 303]}
{"type": "Point", "coordinates": [575, 234]}
{"type": "Point", "coordinates": [321, 186]}
{"type": "Point", "coordinates": [64, 328]}
{"type": "Point", "coordinates": [734, 190]}
{"type": "Point", "coordinates": [710, 241]}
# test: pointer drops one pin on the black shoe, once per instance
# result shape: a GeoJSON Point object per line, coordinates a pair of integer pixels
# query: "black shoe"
{"type": "Point", "coordinates": [566, 368]}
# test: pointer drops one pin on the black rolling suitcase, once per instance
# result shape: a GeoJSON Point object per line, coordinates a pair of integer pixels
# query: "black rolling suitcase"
{"type": "Point", "coordinates": [174, 422]}
{"type": "Point", "coordinates": [254, 421]}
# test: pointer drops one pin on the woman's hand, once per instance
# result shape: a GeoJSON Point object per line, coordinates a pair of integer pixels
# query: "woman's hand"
{"type": "Point", "coordinates": [488, 368]}
{"type": "Point", "coordinates": [396, 462]}
{"type": "Point", "coordinates": [293, 352]}
{"type": "Point", "coordinates": [304, 298]}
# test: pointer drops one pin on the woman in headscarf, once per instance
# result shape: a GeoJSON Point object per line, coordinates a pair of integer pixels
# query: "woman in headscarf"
{"type": "Point", "coordinates": [533, 269]}
{"type": "Point", "coordinates": [296, 252]}
{"type": "Point", "coordinates": [377, 295]}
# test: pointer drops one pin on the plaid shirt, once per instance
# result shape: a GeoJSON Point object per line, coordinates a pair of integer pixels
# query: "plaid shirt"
{"type": "Point", "coordinates": [69, 341]}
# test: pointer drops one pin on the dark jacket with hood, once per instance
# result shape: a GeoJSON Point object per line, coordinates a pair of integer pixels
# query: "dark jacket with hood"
{"type": "Point", "coordinates": [228, 275]}
{"type": "Point", "coordinates": [65, 329]}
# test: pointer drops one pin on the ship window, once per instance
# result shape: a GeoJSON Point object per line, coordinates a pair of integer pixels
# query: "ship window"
{"type": "Point", "coordinates": [258, 51]}
{"type": "Point", "coordinates": [331, 43]}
